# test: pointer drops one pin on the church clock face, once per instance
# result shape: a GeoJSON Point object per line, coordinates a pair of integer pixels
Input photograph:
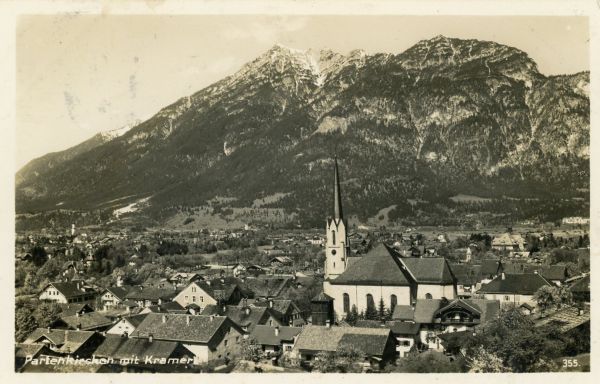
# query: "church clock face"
{"type": "Point", "coordinates": [333, 252]}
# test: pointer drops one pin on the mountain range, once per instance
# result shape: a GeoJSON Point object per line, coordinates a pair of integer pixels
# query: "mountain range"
{"type": "Point", "coordinates": [445, 117]}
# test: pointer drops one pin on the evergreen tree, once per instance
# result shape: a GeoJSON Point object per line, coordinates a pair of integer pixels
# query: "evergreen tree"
{"type": "Point", "coordinates": [382, 312]}
{"type": "Point", "coordinates": [352, 316]}
{"type": "Point", "coordinates": [25, 323]}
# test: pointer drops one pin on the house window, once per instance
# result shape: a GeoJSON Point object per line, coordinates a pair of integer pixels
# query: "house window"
{"type": "Point", "coordinates": [193, 289]}
{"type": "Point", "coordinates": [393, 302]}
{"type": "Point", "coordinates": [428, 296]}
{"type": "Point", "coordinates": [225, 343]}
{"type": "Point", "coordinates": [346, 303]}
{"type": "Point", "coordinates": [186, 298]}
{"type": "Point", "coordinates": [202, 299]}
{"type": "Point", "coordinates": [237, 339]}
{"type": "Point", "coordinates": [506, 298]}
{"type": "Point", "coordinates": [370, 302]}
{"type": "Point", "coordinates": [194, 299]}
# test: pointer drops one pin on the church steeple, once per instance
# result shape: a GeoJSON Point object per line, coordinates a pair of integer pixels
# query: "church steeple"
{"type": "Point", "coordinates": [336, 248]}
{"type": "Point", "coordinates": [337, 198]}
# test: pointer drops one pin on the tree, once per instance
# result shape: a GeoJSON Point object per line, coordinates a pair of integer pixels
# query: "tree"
{"type": "Point", "coordinates": [546, 297]}
{"type": "Point", "coordinates": [352, 316]}
{"type": "Point", "coordinates": [38, 255]}
{"type": "Point", "coordinates": [46, 314]}
{"type": "Point", "coordinates": [381, 310]}
{"type": "Point", "coordinates": [346, 359]}
{"type": "Point", "coordinates": [564, 295]}
{"type": "Point", "coordinates": [483, 361]}
{"type": "Point", "coordinates": [25, 323]}
{"type": "Point", "coordinates": [251, 350]}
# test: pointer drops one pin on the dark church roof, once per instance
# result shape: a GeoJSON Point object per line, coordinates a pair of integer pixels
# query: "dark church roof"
{"type": "Point", "coordinates": [383, 266]}
{"type": "Point", "coordinates": [378, 267]}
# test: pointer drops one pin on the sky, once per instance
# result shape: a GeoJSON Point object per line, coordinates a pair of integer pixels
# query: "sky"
{"type": "Point", "coordinates": [82, 74]}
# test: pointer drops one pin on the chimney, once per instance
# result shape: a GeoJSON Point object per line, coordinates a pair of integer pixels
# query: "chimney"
{"type": "Point", "coordinates": [187, 320]}
{"type": "Point", "coordinates": [247, 310]}
{"type": "Point", "coordinates": [48, 329]}
{"type": "Point", "coordinates": [77, 314]}
{"type": "Point", "coordinates": [79, 327]}
{"type": "Point", "coordinates": [277, 331]}
{"type": "Point", "coordinates": [328, 323]}
{"type": "Point", "coordinates": [150, 338]}
{"type": "Point", "coordinates": [212, 317]}
{"type": "Point", "coordinates": [580, 312]}
{"type": "Point", "coordinates": [270, 303]}
{"type": "Point", "coordinates": [164, 318]}
{"type": "Point", "coordinates": [503, 276]}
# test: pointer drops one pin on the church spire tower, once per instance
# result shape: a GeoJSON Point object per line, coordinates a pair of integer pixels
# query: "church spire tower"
{"type": "Point", "coordinates": [336, 249]}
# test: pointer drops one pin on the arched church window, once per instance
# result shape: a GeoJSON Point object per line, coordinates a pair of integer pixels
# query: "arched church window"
{"type": "Point", "coordinates": [428, 296]}
{"type": "Point", "coordinates": [333, 237]}
{"type": "Point", "coordinates": [393, 302]}
{"type": "Point", "coordinates": [346, 302]}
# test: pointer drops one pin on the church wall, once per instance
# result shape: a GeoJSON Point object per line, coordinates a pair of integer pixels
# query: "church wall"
{"type": "Point", "coordinates": [358, 296]}
{"type": "Point", "coordinates": [436, 291]}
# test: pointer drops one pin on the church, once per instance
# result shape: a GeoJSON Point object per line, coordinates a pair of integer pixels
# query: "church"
{"type": "Point", "coordinates": [380, 274]}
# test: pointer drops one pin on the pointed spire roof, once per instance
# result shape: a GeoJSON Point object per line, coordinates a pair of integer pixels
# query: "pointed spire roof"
{"type": "Point", "coordinates": [337, 198]}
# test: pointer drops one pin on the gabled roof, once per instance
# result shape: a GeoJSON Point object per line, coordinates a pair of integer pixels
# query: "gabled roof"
{"type": "Point", "coordinates": [403, 312]}
{"type": "Point", "coordinates": [491, 267]}
{"type": "Point", "coordinates": [322, 296]}
{"type": "Point", "coordinates": [267, 287]}
{"type": "Point", "coordinates": [319, 338]}
{"type": "Point", "coordinates": [554, 272]}
{"type": "Point", "coordinates": [69, 290]}
{"type": "Point", "coordinates": [466, 274]}
{"type": "Point", "coordinates": [73, 308]}
{"type": "Point", "coordinates": [397, 327]}
{"type": "Point", "coordinates": [266, 335]}
{"type": "Point", "coordinates": [378, 267]}
{"type": "Point", "coordinates": [524, 284]}
{"type": "Point", "coordinates": [135, 320]}
{"type": "Point", "coordinates": [28, 350]}
{"type": "Point", "coordinates": [150, 293]}
{"type": "Point", "coordinates": [249, 316]}
{"type": "Point", "coordinates": [119, 292]}
{"type": "Point", "coordinates": [118, 347]}
{"type": "Point", "coordinates": [581, 285]}
{"type": "Point", "coordinates": [86, 321]}
{"type": "Point", "coordinates": [200, 329]}
{"type": "Point", "coordinates": [433, 270]}
{"type": "Point", "coordinates": [66, 341]}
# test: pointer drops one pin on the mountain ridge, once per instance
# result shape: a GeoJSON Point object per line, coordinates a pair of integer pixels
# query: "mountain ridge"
{"type": "Point", "coordinates": [442, 112]}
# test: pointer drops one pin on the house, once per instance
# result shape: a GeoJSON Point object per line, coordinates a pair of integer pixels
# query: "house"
{"type": "Point", "coordinates": [64, 293]}
{"type": "Point", "coordinates": [147, 296]}
{"type": "Point", "coordinates": [275, 339]}
{"type": "Point", "coordinates": [283, 310]}
{"type": "Point", "coordinates": [23, 352]}
{"type": "Point", "coordinates": [66, 342]}
{"type": "Point", "coordinates": [280, 261]}
{"type": "Point", "coordinates": [581, 289]}
{"type": "Point", "coordinates": [567, 318]}
{"type": "Point", "coordinates": [467, 278]}
{"type": "Point", "coordinates": [437, 316]}
{"type": "Point", "coordinates": [245, 316]}
{"type": "Point", "coordinates": [143, 351]}
{"type": "Point", "coordinates": [126, 325]}
{"type": "Point", "coordinates": [556, 274]}
{"type": "Point", "coordinates": [509, 242]}
{"type": "Point", "coordinates": [490, 269]}
{"type": "Point", "coordinates": [406, 333]}
{"type": "Point", "coordinates": [182, 279]}
{"type": "Point", "coordinates": [114, 296]}
{"type": "Point", "coordinates": [514, 289]}
{"type": "Point", "coordinates": [378, 344]}
{"type": "Point", "coordinates": [90, 321]}
{"type": "Point", "coordinates": [203, 293]}
{"type": "Point", "coordinates": [265, 287]}
{"type": "Point", "coordinates": [207, 337]}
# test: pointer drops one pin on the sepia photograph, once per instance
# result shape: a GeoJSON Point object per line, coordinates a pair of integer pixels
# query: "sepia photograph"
{"type": "Point", "coordinates": [289, 192]}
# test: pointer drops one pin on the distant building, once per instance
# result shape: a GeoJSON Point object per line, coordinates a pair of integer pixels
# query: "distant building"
{"type": "Point", "coordinates": [509, 242]}
{"type": "Point", "coordinates": [576, 220]}
{"type": "Point", "coordinates": [64, 293]}
{"type": "Point", "coordinates": [276, 339]}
